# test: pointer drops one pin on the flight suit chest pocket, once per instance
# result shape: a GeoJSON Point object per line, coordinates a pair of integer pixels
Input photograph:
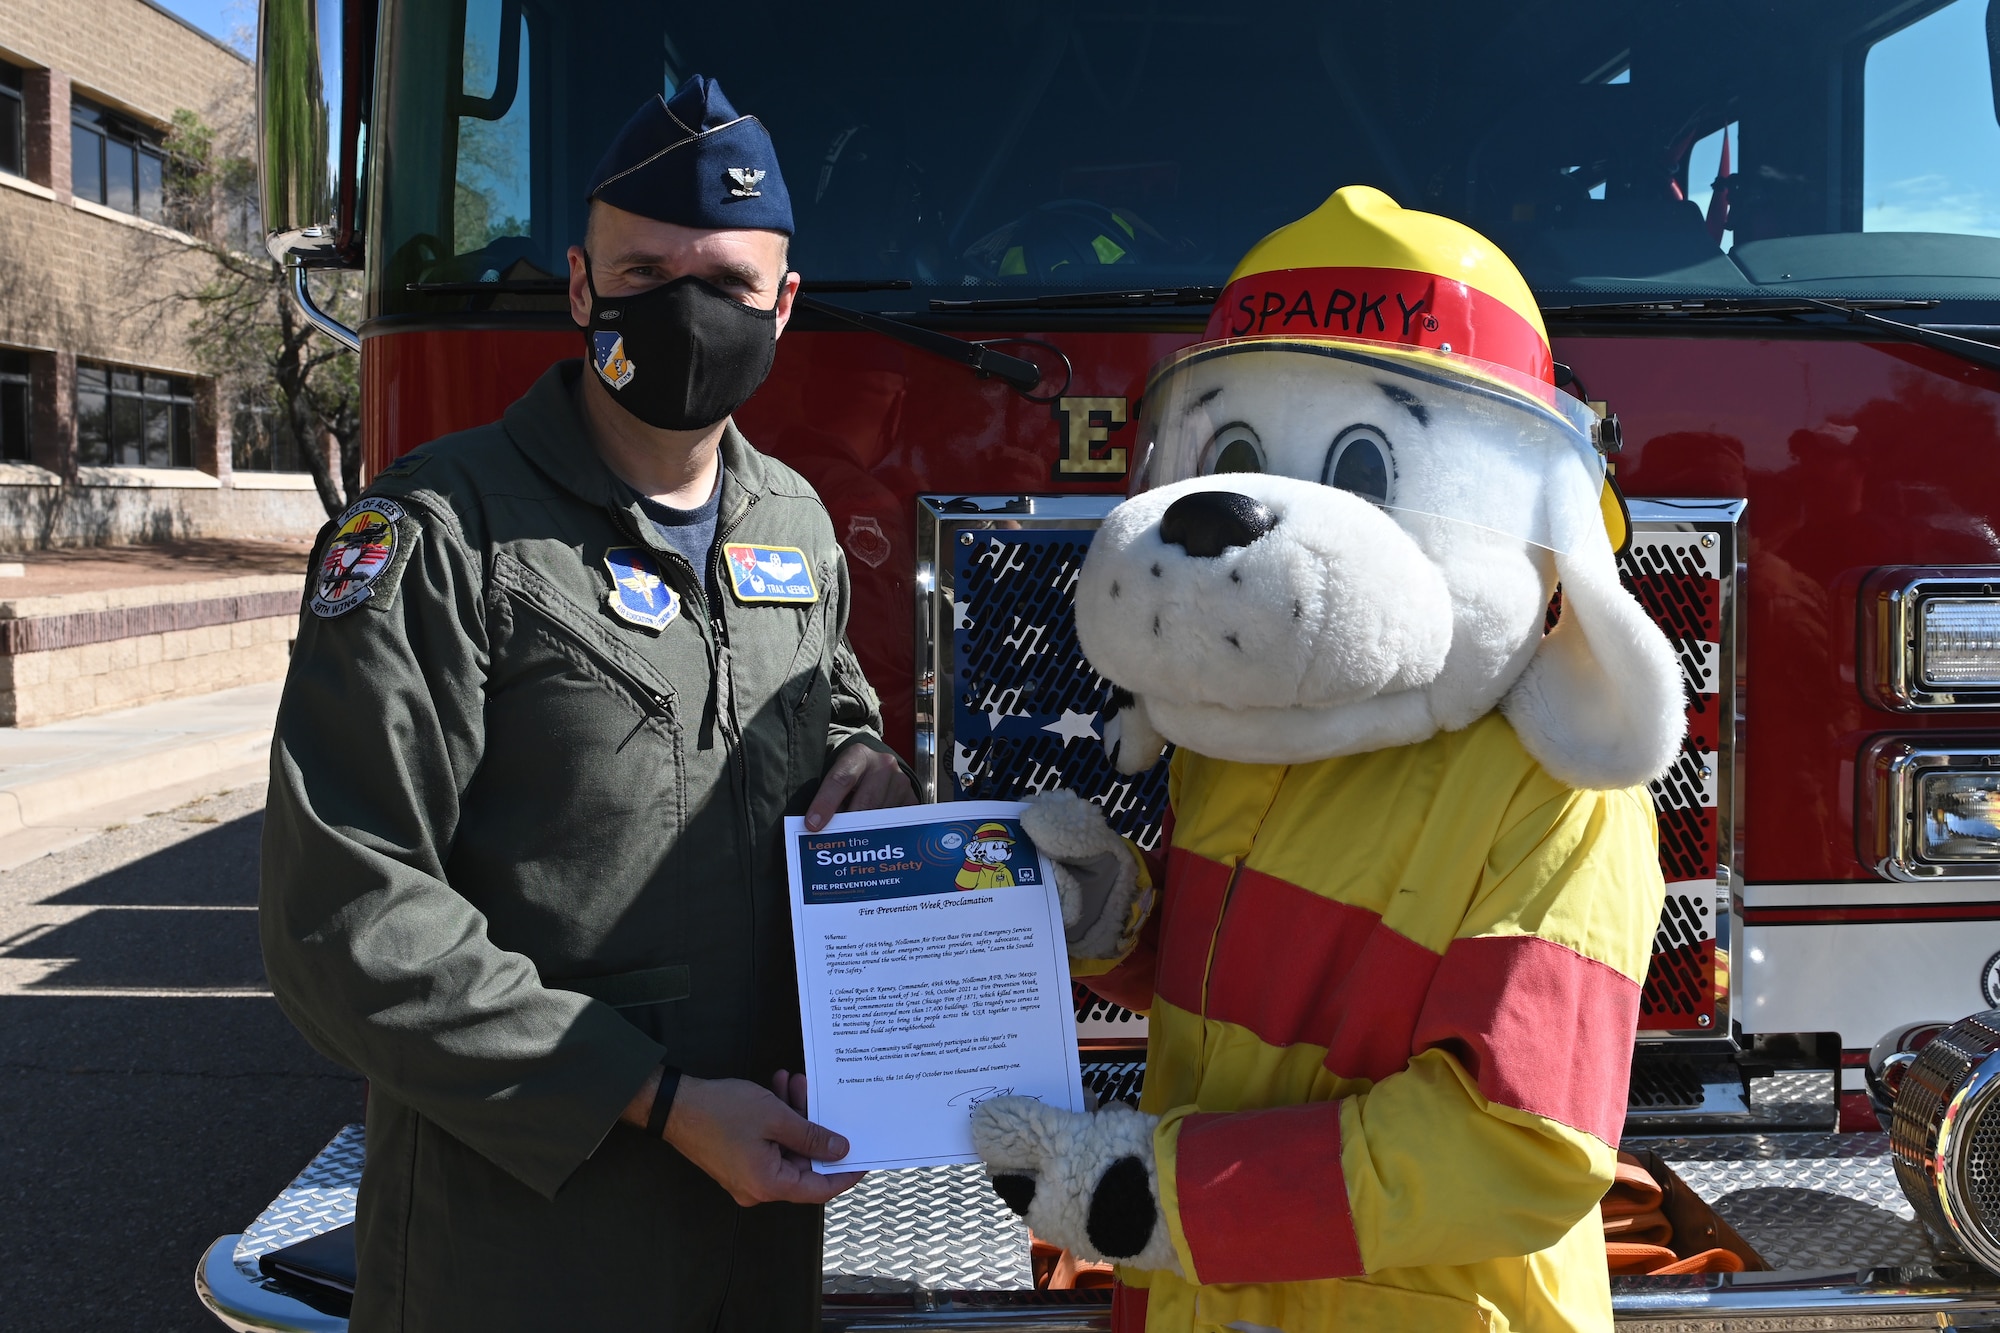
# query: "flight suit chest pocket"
{"type": "Point", "coordinates": [589, 690]}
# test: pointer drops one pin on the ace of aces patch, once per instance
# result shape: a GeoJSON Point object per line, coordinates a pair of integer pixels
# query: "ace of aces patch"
{"type": "Point", "coordinates": [769, 573]}
{"type": "Point", "coordinates": [639, 596]}
{"type": "Point", "coordinates": [366, 545]}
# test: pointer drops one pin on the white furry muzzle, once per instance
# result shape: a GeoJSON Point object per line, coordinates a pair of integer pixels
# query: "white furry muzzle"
{"type": "Point", "coordinates": [1326, 618]}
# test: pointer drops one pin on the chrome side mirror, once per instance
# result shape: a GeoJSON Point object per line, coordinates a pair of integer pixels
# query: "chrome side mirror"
{"type": "Point", "coordinates": [298, 65]}
{"type": "Point", "coordinates": [299, 86]}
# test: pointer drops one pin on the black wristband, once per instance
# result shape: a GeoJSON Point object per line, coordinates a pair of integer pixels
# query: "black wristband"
{"type": "Point", "coordinates": [663, 1101]}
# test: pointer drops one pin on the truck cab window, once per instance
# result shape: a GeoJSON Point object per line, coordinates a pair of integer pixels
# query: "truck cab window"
{"type": "Point", "coordinates": [491, 201]}
{"type": "Point", "coordinates": [1931, 146]}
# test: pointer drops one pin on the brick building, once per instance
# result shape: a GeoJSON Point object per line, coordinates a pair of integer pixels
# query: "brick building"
{"type": "Point", "coordinates": [107, 431]}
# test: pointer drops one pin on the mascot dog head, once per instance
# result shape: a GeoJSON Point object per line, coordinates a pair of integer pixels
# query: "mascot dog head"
{"type": "Point", "coordinates": [1352, 506]}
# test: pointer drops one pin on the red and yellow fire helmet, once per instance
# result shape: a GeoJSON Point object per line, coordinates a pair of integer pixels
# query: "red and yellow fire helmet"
{"type": "Point", "coordinates": [1388, 290]}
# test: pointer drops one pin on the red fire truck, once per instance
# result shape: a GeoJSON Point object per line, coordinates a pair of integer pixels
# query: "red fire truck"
{"type": "Point", "coordinates": [1766, 236]}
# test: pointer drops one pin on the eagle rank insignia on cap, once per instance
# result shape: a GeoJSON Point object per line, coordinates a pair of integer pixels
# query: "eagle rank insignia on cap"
{"type": "Point", "coordinates": [746, 179]}
{"type": "Point", "coordinates": [639, 596]}
{"type": "Point", "coordinates": [769, 573]}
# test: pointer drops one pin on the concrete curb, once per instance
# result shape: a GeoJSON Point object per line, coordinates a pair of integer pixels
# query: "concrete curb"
{"type": "Point", "coordinates": [49, 801]}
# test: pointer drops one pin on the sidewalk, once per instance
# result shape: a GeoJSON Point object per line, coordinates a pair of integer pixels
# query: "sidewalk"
{"type": "Point", "coordinates": [65, 782]}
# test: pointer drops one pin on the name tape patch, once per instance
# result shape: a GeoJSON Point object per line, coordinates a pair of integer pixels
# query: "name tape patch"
{"type": "Point", "coordinates": [769, 573]}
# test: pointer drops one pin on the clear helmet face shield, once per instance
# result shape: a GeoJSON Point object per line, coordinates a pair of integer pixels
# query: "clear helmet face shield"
{"type": "Point", "coordinates": [1416, 433]}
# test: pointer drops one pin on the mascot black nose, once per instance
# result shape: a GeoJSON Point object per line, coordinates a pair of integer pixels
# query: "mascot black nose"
{"type": "Point", "coordinates": [1207, 523]}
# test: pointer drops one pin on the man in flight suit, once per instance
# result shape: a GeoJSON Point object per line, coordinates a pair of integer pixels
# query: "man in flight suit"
{"type": "Point", "coordinates": [558, 680]}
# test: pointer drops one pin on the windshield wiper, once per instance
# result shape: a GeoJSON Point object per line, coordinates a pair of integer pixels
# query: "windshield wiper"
{"type": "Point", "coordinates": [539, 286]}
{"type": "Point", "coordinates": [1022, 375]}
{"type": "Point", "coordinates": [1854, 311]}
{"type": "Point", "coordinates": [1722, 306]}
{"type": "Point", "coordinates": [1137, 298]}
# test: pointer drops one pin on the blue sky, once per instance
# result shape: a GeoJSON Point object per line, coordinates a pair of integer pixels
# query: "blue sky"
{"type": "Point", "coordinates": [218, 18]}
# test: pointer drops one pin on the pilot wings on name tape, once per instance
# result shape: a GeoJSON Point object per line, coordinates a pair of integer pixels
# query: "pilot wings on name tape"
{"type": "Point", "coordinates": [769, 573]}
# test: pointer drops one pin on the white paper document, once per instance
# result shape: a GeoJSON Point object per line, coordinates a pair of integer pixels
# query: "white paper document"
{"type": "Point", "coordinates": [933, 976]}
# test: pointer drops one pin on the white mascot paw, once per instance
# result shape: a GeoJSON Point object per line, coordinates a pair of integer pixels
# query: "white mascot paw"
{"type": "Point", "coordinates": [1097, 877]}
{"type": "Point", "coordinates": [1085, 1182]}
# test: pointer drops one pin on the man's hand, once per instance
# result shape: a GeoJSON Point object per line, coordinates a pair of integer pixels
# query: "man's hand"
{"type": "Point", "coordinates": [755, 1145]}
{"type": "Point", "coordinates": [860, 779]}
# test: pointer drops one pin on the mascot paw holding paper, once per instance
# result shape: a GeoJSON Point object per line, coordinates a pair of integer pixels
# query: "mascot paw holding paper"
{"type": "Point", "coordinates": [1411, 885]}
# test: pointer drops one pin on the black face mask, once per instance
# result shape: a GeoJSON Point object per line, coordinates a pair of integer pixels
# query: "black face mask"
{"type": "Point", "coordinates": [681, 356]}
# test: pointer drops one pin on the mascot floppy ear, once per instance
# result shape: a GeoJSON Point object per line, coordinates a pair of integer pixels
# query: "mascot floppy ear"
{"type": "Point", "coordinates": [1601, 705]}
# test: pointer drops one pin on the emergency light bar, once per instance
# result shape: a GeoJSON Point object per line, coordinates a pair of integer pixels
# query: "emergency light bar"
{"type": "Point", "coordinates": [1931, 638]}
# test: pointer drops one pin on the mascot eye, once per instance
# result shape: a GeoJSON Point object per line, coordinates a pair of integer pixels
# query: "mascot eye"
{"type": "Point", "coordinates": [1359, 462]}
{"type": "Point", "coordinates": [1234, 449]}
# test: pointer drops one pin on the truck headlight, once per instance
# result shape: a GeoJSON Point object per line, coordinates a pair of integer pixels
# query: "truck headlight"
{"type": "Point", "coordinates": [1945, 1137]}
{"type": "Point", "coordinates": [1928, 807]}
{"type": "Point", "coordinates": [1931, 638]}
{"type": "Point", "coordinates": [1958, 643]}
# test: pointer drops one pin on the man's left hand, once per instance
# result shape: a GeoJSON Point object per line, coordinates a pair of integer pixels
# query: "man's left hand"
{"type": "Point", "coordinates": [860, 779]}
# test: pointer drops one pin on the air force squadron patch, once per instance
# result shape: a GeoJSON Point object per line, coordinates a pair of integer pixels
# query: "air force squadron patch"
{"type": "Point", "coordinates": [362, 549]}
{"type": "Point", "coordinates": [639, 596]}
{"type": "Point", "coordinates": [607, 354]}
{"type": "Point", "coordinates": [769, 573]}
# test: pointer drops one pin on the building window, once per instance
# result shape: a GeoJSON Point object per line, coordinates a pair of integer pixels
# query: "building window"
{"type": "Point", "coordinates": [261, 440]}
{"type": "Point", "coordinates": [13, 122]}
{"type": "Point", "coordinates": [15, 407]}
{"type": "Point", "coordinates": [133, 418]}
{"type": "Point", "coordinates": [116, 162]}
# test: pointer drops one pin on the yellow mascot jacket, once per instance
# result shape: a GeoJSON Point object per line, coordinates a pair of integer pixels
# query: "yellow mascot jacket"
{"type": "Point", "coordinates": [1392, 1002]}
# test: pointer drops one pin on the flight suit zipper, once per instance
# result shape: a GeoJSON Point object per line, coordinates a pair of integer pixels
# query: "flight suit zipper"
{"type": "Point", "coordinates": [727, 672]}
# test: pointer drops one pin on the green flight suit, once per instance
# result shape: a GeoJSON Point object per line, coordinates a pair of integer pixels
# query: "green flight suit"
{"type": "Point", "coordinates": [519, 851]}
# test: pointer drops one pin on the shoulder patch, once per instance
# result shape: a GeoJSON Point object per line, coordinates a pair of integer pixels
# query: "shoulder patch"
{"type": "Point", "coordinates": [769, 573]}
{"type": "Point", "coordinates": [363, 557]}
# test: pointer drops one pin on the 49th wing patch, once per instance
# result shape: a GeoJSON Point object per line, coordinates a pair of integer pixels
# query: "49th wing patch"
{"type": "Point", "coordinates": [369, 544]}
{"type": "Point", "coordinates": [769, 573]}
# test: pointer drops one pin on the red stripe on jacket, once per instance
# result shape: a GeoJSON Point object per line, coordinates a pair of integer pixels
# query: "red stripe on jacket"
{"type": "Point", "coordinates": [1541, 1027]}
{"type": "Point", "coordinates": [1262, 1197]}
{"type": "Point", "coordinates": [1192, 905]}
{"type": "Point", "coordinates": [1292, 966]}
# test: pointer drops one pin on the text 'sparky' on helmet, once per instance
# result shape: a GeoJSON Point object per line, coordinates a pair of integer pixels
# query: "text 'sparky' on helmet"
{"type": "Point", "coordinates": [1393, 304]}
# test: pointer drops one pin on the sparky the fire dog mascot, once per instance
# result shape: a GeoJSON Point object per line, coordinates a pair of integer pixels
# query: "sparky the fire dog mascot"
{"type": "Point", "coordinates": [1394, 962]}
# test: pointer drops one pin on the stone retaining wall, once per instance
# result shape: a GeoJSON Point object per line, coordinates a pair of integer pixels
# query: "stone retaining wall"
{"type": "Point", "coordinates": [78, 653]}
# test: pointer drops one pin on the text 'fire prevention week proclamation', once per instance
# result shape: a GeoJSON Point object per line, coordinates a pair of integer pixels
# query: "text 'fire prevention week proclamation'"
{"type": "Point", "coordinates": [933, 976]}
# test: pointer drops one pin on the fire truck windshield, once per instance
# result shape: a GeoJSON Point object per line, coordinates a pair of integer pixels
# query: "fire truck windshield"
{"type": "Point", "coordinates": [1618, 149]}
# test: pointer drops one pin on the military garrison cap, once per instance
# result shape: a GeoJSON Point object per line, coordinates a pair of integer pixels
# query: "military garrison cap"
{"type": "Point", "coordinates": [694, 161]}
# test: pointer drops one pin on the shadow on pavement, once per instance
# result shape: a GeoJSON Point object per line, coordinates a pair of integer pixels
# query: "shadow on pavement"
{"type": "Point", "coordinates": [140, 1128]}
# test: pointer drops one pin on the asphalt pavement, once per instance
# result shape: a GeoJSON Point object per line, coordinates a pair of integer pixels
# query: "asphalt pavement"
{"type": "Point", "coordinates": [152, 1096]}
